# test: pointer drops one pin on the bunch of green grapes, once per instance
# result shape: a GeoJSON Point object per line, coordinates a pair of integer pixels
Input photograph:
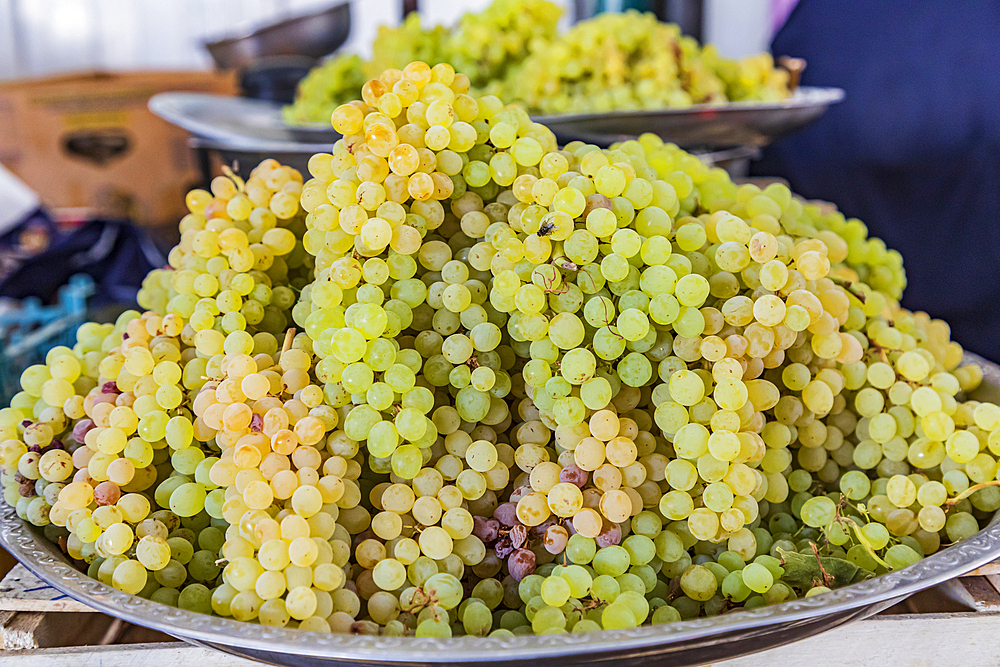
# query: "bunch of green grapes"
{"type": "Point", "coordinates": [612, 61]}
{"type": "Point", "coordinates": [486, 45]}
{"type": "Point", "coordinates": [535, 391]}
{"type": "Point", "coordinates": [630, 60]}
{"type": "Point", "coordinates": [395, 46]}
{"type": "Point", "coordinates": [384, 265]}
{"type": "Point", "coordinates": [240, 257]}
{"type": "Point", "coordinates": [754, 78]}
{"type": "Point", "coordinates": [338, 80]}
{"type": "Point", "coordinates": [725, 420]}
{"type": "Point", "coordinates": [95, 448]}
{"type": "Point", "coordinates": [482, 46]}
{"type": "Point", "coordinates": [328, 85]}
{"type": "Point", "coordinates": [282, 483]}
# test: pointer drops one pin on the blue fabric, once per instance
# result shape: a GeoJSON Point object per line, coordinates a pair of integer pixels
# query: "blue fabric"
{"type": "Point", "coordinates": [914, 150]}
{"type": "Point", "coordinates": [38, 218]}
{"type": "Point", "coordinates": [116, 254]}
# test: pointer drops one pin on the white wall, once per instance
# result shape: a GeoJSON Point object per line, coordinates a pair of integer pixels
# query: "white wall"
{"type": "Point", "coordinates": [738, 27]}
{"type": "Point", "coordinates": [40, 37]}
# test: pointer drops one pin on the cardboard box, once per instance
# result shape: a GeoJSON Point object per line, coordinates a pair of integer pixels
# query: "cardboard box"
{"type": "Point", "coordinates": [88, 142]}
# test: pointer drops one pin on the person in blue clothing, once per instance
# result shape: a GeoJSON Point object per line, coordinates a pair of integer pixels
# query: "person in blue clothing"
{"type": "Point", "coordinates": [914, 150]}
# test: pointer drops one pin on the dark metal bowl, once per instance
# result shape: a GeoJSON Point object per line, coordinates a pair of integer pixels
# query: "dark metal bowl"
{"type": "Point", "coordinates": [314, 35]}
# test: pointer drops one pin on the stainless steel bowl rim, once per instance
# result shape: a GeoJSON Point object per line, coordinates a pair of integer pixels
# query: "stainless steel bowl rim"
{"type": "Point", "coordinates": [255, 125]}
{"type": "Point", "coordinates": [180, 109]}
{"type": "Point", "coordinates": [50, 565]}
{"type": "Point", "coordinates": [803, 97]}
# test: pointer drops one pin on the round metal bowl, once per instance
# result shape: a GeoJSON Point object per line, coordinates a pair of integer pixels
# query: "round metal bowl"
{"type": "Point", "coordinates": [247, 124]}
{"type": "Point", "coordinates": [239, 122]}
{"type": "Point", "coordinates": [313, 35]}
{"type": "Point", "coordinates": [709, 125]}
{"type": "Point", "coordinates": [244, 131]}
{"type": "Point", "coordinates": [684, 643]}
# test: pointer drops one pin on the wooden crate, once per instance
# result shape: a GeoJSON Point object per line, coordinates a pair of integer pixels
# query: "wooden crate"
{"type": "Point", "coordinates": [957, 623]}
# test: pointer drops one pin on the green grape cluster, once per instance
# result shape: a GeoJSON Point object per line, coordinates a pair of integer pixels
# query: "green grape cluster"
{"type": "Point", "coordinates": [333, 82]}
{"type": "Point", "coordinates": [531, 390]}
{"type": "Point", "coordinates": [100, 437]}
{"type": "Point", "coordinates": [614, 61]}
{"type": "Point", "coordinates": [483, 46]}
{"type": "Point", "coordinates": [486, 45]}
{"type": "Point", "coordinates": [632, 61]}
{"type": "Point", "coordinates": [282, 484]}
{"type": "Point", "coordinates": [240, 257]}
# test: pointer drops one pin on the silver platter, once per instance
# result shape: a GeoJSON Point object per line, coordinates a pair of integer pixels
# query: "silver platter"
{"type": "Point", "coordinates": [693, 642]}
{"type": "Point", "coordinates": [242, 132]}
{"type": "Point", "coordinates": [706, 125]}
{"type": "Point", "coordinates": [240, 123]}
{"type": "Point", "coordinates": [255, 125]}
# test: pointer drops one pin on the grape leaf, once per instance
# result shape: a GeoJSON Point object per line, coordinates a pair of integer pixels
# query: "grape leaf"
{"type": "Point", "coordinates": [804, 571]}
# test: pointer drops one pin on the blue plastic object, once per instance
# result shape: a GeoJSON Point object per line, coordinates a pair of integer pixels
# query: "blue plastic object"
{"type": "Point", "coordinates": [28, 332]}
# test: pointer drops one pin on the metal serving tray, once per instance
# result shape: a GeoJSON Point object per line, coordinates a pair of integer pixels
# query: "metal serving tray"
{"type": "Point", "coordinates": [257, 125]}
{"type": "Point", "coordinates": [241, 132]}
{"type": "Point", "coordinates": [710, 125]}
{"type": "Point", "coordinates": [684, 643]}
{"type": "Point", "coordinates": [240, 122]}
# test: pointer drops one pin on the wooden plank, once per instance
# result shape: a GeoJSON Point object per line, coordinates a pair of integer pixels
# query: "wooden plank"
{"type": "Point", "coordinates": [20, 590]}
{"type": "Point", "coordinates": [984, 595]}
{"type": "Point", "coordinates": [176, 654]}
{"type": "Point", "coordinates": [136, 634]}
{"type": "Point", "coordinates": [914, 640]}
{"type": "Point", "coordinates": [967, 639]}
{"type": "Point", "coordinates": [947, 597]}
{"type": "Point", "coordinates": [988, 569]}
{"type": "Point", "coordinates": [7, 562]}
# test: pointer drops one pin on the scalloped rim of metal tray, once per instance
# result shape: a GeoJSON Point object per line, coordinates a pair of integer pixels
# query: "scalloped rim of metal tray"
{"type": "Point", "coordinates": [49, 564]}
{"type": "Point", "coordinates": [805, 97]}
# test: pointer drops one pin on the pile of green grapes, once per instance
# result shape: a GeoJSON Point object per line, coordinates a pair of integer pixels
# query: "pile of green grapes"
{"type": "Point", "coordinates": [483, 46]}
{"type": "Point", "coordinates": [629, 61]}
{"type": "Point", "coordinates": [528, 390]}
{"type": "Point", "coordinates": [511, 49]}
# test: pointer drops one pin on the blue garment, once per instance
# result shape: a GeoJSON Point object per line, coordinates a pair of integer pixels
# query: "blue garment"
{"type": "Point", "coordinates": [914, 150]}
{"type": "Point", "coordinates": [116, 254]}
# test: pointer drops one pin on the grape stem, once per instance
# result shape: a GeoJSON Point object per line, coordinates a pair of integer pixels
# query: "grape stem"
{"type": "Point", "coordinates": [794, 67]}
{"type": "Point", "coordinates": [848, 284]}
{"type": "Point", "coordinates": [828, 580]}
{"type": "Point", "coordinates": [289, 337]}
{"type": "Point", "coordinates": [593, 283]}
{"type": "Point", "coordinates": [240, 185]}
{"type": "Point", "coordinates": [851, 523]}
{"type": "Point", "coordinates": [864, 541]}
{"type": "Point", "coordinates": [968, 492]}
